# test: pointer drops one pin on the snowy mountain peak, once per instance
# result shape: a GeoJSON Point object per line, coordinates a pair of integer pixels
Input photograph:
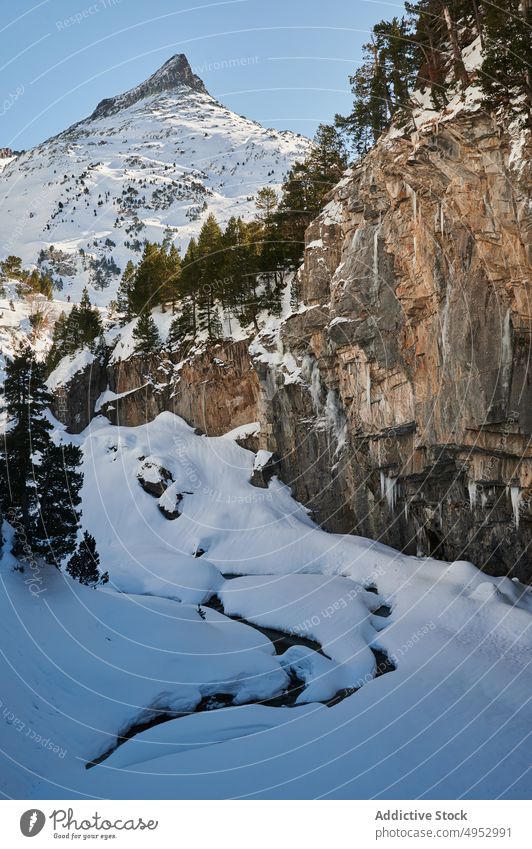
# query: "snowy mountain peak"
{"type": "Point", "coordinates": [175, 73]}
{"type": "Point", "coordinates": [148, 164]}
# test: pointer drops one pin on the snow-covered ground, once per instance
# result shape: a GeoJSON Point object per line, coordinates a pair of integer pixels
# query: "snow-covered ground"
{"type": "Point", "coordinates": [81, 666]}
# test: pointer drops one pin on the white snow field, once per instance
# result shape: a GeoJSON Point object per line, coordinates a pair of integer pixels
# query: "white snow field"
{"type": "Point", "coordinates": [82, 666]}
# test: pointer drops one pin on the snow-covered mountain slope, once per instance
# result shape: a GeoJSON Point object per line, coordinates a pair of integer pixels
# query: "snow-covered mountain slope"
{"type": "Point", "coordinates": [5, 160]}
{"type": "Point", "coordinates": [82, 666]}
{"type": "Point", "coordinates": [160, 156]}
{"type": "Point", "coordinates": [16, 315]}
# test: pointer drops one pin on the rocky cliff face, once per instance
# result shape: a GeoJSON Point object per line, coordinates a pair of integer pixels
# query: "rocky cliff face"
{"type": "Point", "coordinates": [398, 397]}
{"type": "Point", "coordinates": [412, 419]}
{"type": "Point", "coordinates": [215, 390]}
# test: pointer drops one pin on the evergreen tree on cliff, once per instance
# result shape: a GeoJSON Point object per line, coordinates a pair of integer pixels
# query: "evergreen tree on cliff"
{"type": "Point", "coordinates": [59, 337]}
{"type": "Point", "coordinates": [90, 323]}
{"type": "Point", "coordinates": [123, 296]}
{"type": "Point", "coordinates": [209, 277]}
{"type": "Point", "coordinates": [41, 482]}
{"type": "Point", "coordinates": [59, 480]}
{"type": "Point", "coordinates": [83, 566]}
{"type": "Point", "coordinates": [83, 326]}
{"type": "Point", "coordinates": [181, 328]}
{"type": "Point", "coordinates": [506, 73]}
{"type": "Point", "coordinates": [27, 437]}
{"type": "Point", "coordinates": [241, 266]}
{"type": "Point", "coordinates": [172, 272]}
{"type": "Point", "coordinates": [146, 335]}
{"type": "Point", "coordinates": [148, 280]}
{"type": "Point", "coordinates": [188, 286]}
{"type": "Point", "coordinates": [305, 188]}
{"type": "Point", "coordinates": [269, 236]}
{"type": "Point", "coordinates": [381, 85]}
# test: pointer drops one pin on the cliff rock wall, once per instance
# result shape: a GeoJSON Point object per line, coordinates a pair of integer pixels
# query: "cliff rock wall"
{"type": "Point", "coordinates": [214, 390]}
{"type": "Point", "coordinates": [412, 419]}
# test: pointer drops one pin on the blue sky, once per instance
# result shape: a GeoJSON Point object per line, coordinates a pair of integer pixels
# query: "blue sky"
{"type": "Point", "coordinates": [284, 63]}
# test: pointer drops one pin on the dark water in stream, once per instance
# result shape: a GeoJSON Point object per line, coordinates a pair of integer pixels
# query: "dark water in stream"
{"type": "Point", "coordinates": [287, 699]}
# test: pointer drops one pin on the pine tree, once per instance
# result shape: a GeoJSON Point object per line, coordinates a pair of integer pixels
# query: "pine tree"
{"type": "Point", "coordinates": [11, 267]}
{"type": "Point", "coordinates": [84, 565]}
{"type": "Point", "coordinates": [40, 489]}
{"type": "Point", "coordinates": [369, 115]}
{"type": "Point", "coordinates": [73, 336]}
{"type": "Point", "coordinates": [83, 326]}
{"type": "Point", "coordinates": [304, 190]}
{"type": "Point", "coordinates": [271, 250]}
{"type": "Point", "coordinates": [439, 26]}
{"type": "Point", "coordinates": [59, 335]}
{"type": "Point", "coordinates": [170, 287]}
{"type": "Point", "coordinates": [266, 203]}
{"type": "Point", "coordinates": [154, 282]}
{"type": "Point", "coordinates": [90, 323]}
{"type": "Point", "coordinates": [189, 282]}
{"type": "Point", "coordinates": [382, 83]}
{"type": "Point", "coordinates": [46, 285]}
{"type": "Point", "coordinates": [28, 437]}
{"type": "Point", "coordinates": [144, 292]}
{"type": "Point", "coordinates": [181, 328]}
{"type": "Point", "coordinates": [296, 210]}
{"type": "Point", "coordinates": [210, 256]}
{"type": "Point", "coordinates": [240, 266]}
{"type": "Point", "coordinates": [40, 283]}
{"type": "Point", "coordinates": [327, 160]}
{"type": "Point", "coordinates": [146, 335]}
{"type": "Point", "coordinates": [398, 53]}
{"type": "Point", "coordinates": [59, 481]}
{"type": "Point", "coordinates": [123, 295]}
{"type": "Point", "coordinates": [506, 72]}
{"type": "Point", "coordinates": [240, 292]}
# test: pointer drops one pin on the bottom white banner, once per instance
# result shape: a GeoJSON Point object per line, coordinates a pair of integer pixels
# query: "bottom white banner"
{"type": "Point", "coordinates": [257, 825]}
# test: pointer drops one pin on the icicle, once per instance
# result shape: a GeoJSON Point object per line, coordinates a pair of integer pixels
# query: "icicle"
{"type": "Point", "coordinates": [506, 360]}
{"type": "Point", "coordinates": [376, 256]}
{"type": "Point", "coordinates": [336, 417]}
{"type": "Point", "coordinates": [315, 386]}
{"type": "Point", "coordinates": [389, 490]}
{"type": "Point", "coordinates": [516, 495]}
{"type": "Point", "coordinates": [472, 489]}
{"type": "Point", "coordinates": [391, 495]}
{"type": "Point", "coordinates": [506, 340]}
{"type": "Point", "coordinates": [445, 316]}
{"type": "Point", "coordinates": [368, 387]}
{"type": "Point", "coordinates": [412, 193]}
{"type": "Point", "coordinates": [442, 220]}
